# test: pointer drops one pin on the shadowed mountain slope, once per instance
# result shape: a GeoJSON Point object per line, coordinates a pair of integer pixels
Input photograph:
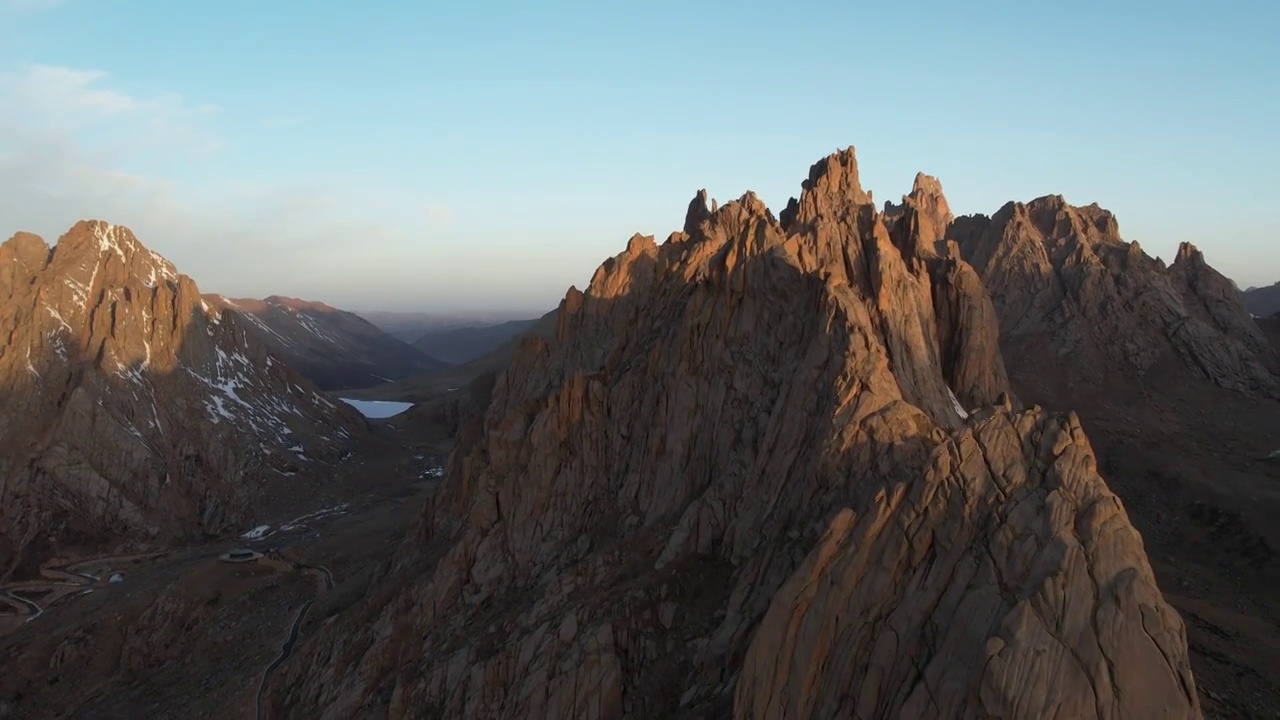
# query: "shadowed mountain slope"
{"type": "Point", "coordinates": [335, 349]}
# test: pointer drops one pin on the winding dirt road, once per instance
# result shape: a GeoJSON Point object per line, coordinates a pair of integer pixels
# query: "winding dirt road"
{"type": "Point", "coordinates": [324, 580]}
{"type": "Point", "coordinates": [60, 581]}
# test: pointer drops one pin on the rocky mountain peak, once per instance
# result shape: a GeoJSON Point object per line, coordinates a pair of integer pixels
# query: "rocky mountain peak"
{"type": "Point", "coordinates": [698, 212]}
{"type": "Point", "coordinates": [919, 224]}
{"type": "Point", "coordinates": [1188, 253]}
{"type": "Point", "coordinates": [1057, 274]}
{"type": "Point", "coordinates": [129, 407]}
{"type": "Point", "coordinates": [759, 472]}
{"type": "Point", "coordinates": [97, 243]}
{"type": "Point", "coordinates": [926, 191]}
{"type": "Point", "coordinates": [833, 190]}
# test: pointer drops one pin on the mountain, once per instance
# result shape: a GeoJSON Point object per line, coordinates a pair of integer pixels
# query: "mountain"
{"type": "Point", "coordinates": [132, 409]}
{"type": "Point", "coordinates": [410, 326]}
{"type": "Point", "coordinates": [766, 469]}
{"type": "Point", "coordinates": [336, 350]}
{"type": "Point", "coordinates": [1177, 388]}
{"type": "Point", "coordinates": [1263, 301]}
{"type": "Point", "coordinates": [460, 345]}
{"type": "Point", "coordinates": [1070, 292]}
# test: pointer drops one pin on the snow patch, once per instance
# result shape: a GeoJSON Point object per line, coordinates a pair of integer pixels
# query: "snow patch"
{"type": "Point", "coordinates": [309, 324]}
{"type": "Point", "coordinates": [30, 367]}
{"type": "Point", "coordinates": [301, 521]}
{"type": "Point", "coordinates": [955, 403]}
{"type": "Point", "coordinates": [58, 316]}
{"type": "Point", "coordinates": [108, 237]}
{"type": "Point", "coordinates": [77, 287]}
{"type": "Point", "coordinates": [257, 533]}
{"type": "Point", "coordinates": [378, 409]}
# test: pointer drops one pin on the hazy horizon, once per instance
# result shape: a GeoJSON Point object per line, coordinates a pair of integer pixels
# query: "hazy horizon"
{"type": "Point", "coordinates": [484, 159]}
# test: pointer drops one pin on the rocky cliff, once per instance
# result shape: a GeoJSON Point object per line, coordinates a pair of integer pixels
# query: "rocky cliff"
{"type": "Point", "coordinates": [1073, 294]}
{"type": "Point", "coordinates": [763, 470]}
{"type": "Point", "coordinates": [130, 408]}
{"type": "Point", "coordinates": [1177, 388]}
{"type": "Point", "coordinates": [335, 349]}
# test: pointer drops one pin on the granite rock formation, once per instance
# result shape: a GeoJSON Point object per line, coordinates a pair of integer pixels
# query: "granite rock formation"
{"type": "Point", "coordinates": [1074, 295]}
{"type": "Point", "coordinates": [763, 470]}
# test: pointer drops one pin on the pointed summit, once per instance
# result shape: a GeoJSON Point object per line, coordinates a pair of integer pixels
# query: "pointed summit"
{"type": "Point", "coordinates": [1050, 264]}
{"type": "Point", "coordinates": [833, 188]}
{"type": "Point", "coordinates": [924, 212]}
{"type": "Point", "coordinates": [1188, 253]}
{"type": "Point", "coordinates": [698, 212]}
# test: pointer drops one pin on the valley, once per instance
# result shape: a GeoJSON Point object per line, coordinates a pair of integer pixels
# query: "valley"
{"type": "Point", "coordinates": [182, 633]}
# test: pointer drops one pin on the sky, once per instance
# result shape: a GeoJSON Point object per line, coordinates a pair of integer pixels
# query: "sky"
{"type": "Point", "coordinates": [447, 157]}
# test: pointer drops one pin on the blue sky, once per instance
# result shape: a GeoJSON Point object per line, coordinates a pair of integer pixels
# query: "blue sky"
{"type": "Point", "coordinates": [486, 155]}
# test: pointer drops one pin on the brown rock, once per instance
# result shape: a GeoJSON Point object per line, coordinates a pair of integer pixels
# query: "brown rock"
{"type": "Point", "coordinates": [735, 483]}
{"type": "Point", "coordinates": [1070, 291]}
{"type": "Point", "coordinates": [129, 408]}
{"type": "Point", "coordinates": [928, 207]}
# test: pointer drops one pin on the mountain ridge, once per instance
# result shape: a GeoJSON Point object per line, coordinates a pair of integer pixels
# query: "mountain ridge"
{"type": "Point", "coordinates": [336, 349]}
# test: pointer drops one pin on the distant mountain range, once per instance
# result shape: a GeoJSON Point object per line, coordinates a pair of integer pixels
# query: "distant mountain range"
{"type": "Point", "coordinates": [1263, 301]}
{"type": "Point", "coordinates": [409, 326]}
{"type": "Point", "coordinates": [335, 349]}
{"type": "Point", "coordinates": [460, 345]}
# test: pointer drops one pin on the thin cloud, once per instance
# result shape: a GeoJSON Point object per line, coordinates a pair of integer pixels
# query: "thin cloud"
{"type": "Point", "coordinates": [47, 89]}
{"type": "Point", "coordinates": [51, 100]}
{"type": "Point", "coordinates": [73, 145]}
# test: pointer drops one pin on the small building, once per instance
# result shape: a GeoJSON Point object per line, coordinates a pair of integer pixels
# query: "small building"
{"type": "Point", "coordinates": [240, 555]}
